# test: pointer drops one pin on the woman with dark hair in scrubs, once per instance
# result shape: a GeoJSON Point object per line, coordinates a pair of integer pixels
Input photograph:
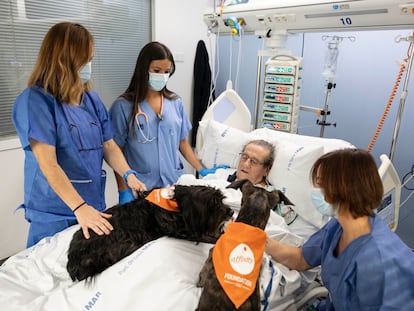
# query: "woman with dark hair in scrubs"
{"type": "Point", "coordinates": [65, 132]}
{"type": "Point", "coordinates": [151, 125]}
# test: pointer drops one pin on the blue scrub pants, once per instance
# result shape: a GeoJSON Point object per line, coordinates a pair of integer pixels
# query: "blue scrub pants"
{"type": "Point", "coordinates": [40, 230]}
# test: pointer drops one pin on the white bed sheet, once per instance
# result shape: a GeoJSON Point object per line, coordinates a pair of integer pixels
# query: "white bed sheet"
{"type": "Point", "coordinates": [162, 275]}
{"type": "Point", "coordinates": [159, 276]}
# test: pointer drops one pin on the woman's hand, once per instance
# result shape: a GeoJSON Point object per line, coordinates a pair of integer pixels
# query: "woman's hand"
{"type": "Point", "coordinates": [115, 158]}
{"type": "Point", "coordinates": [135, 184]}
{"type": "Point", "coordinates": [90, 218]}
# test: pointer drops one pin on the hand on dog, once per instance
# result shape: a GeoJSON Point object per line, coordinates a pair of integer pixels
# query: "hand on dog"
{"type": "Point", "coordinates": [90, 218]}
{"type": "Point", "coordinates": [136, 185]}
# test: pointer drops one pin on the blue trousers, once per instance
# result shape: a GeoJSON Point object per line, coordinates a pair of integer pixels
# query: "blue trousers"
{"type": "Point", "coordinates": [40, 230]}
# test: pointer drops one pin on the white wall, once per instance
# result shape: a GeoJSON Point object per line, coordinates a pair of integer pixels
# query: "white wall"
{"type": "Point", "coordinates": [13, 227]}
{"type": "Point", "coordinates": [179, 25]}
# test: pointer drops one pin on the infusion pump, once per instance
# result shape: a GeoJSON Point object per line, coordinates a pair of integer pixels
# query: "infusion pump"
{"type": "Point", "coordinates": [282, 85]}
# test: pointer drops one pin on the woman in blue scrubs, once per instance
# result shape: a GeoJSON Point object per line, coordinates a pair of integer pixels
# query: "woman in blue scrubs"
{"type": "Point", "coordinates": [151, 126]}
{"type": "Point", "coordinates": [65, 132]}
{"type": "Point", "coordinates": [365, 266]}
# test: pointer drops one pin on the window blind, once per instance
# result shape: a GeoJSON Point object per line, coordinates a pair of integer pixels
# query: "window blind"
{"type": "Point", "coordinates": [120, 29]}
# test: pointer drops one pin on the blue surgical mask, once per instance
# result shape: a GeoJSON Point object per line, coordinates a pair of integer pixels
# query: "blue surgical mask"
{"type": "Point", "coordinates": [85, 72]}
{"type": "Point", "coordinates": [157, 81]}
{"type": "Point", "coordinates": [323, 207]}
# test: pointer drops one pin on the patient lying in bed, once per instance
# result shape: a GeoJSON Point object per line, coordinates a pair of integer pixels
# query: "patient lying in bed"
{"type": "Point", "coordinates": [255, 162]}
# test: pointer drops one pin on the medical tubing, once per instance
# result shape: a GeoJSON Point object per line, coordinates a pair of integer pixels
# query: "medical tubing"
{"type": "Point", "coordinates": [239, 52]}
{"type": "Point", "coordinates": [230, 57]}
{"type": "Point", "coordinates": [404, 181]}
{"type": "Point", "coordinates": [214, 74]}
{"type": "Point", "coordinates": [403, 97]}
{"type": "Point", "coordinates": [407, 177]}
{"type": "Point", "coordinates": [388, 106]}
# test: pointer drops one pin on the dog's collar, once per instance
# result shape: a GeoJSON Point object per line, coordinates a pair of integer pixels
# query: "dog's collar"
{"type": "Point", "coordinates": [163, 198]}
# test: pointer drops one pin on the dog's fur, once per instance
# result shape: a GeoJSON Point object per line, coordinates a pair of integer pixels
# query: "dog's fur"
{"type": "Point", "coordinates": [255, 211]}
{"type": "Point", "coordinates": [200, 219]}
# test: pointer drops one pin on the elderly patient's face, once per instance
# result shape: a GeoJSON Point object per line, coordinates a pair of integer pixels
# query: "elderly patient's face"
{"type": "Point", "coordinates": [251, 164]}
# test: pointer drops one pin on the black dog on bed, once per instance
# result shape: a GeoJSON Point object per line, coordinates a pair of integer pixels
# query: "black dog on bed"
{"type": "Point", "coordinates": [200, 218]}
{"type": "Point", "coordinates": [255, 211]}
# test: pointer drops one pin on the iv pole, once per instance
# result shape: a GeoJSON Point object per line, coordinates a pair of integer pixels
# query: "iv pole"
{"type": "Point", "coordinates": [331, 60]}
{"type": "Point", "coordinates": [404, 94]}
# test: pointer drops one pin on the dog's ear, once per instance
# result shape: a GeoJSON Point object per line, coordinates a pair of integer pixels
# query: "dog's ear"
{"type": "Point", "coordinates": [283, 198]}
{"type": "Point", "coordinates": [245, 185]}
{"type": "Point", "coordinates": [238, 183]}
{"type": "Point", "coordinates": [274, 198]}
{"type": "Point", "coordinates": [278, 197]}
{"type": "Point", "coordinates": [142, 194]}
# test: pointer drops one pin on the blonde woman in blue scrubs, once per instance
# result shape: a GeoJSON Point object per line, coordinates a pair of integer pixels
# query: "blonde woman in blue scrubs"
{"type": "Point", "coordinates": [65, 132]}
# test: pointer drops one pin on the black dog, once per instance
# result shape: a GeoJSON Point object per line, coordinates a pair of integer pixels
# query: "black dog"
{"type": "Point", "coordinates": [255, 211]}
{"type": "Point", "coordinates": [201, 216]}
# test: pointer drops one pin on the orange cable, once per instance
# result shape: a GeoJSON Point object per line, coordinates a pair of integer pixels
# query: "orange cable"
{"type": "Point", "coordinates": [390, 100]}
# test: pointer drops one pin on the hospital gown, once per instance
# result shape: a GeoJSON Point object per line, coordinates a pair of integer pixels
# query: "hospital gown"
{"type": "Point", "coordinates": [154, 150]}
{"type": "Point", "coordinates": [375, 271]}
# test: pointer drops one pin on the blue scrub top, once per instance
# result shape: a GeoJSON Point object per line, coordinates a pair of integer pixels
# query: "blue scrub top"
{"type": "Point", "coordinates": [375, 271]}
{"type": "Point", "coordinates": [78, 134]}
{"type": "Point", "coordinates": [154, 151]}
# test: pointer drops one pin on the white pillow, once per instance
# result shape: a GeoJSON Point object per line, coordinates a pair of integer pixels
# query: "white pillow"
{"type": "Point", "coordinates": [221, 144]}
{"type": "Point", "coordinates": [290, 174]}
{"type": "Point", "coordinates": [328, 144]}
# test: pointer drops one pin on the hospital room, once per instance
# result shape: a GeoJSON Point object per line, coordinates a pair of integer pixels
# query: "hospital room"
{"type": "Point", "coordinates": [311, 77]}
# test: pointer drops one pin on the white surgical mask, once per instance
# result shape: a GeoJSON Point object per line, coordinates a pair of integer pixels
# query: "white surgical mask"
{"type": "Point", "coordinates": [85, 72]}
{"type": "Point", "coordinates": [323, 207]}
{"type": "Point", "coordinates": [157, 81]}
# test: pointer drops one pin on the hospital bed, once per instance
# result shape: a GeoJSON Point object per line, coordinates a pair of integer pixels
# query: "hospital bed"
{"type": "Point", "coordinates": [162, 274]}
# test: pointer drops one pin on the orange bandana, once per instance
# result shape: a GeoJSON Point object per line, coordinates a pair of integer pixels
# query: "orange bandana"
{"type": "Point", "coordinates": [237, 258]}
{"type": "Point", "coordinates": [163, 198]}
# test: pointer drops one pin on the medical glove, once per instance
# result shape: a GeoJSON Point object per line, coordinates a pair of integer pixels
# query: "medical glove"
{"type": "Point", "coordinates": [125, 196]}
{"type": "Point", "coordinates": [205, 171]}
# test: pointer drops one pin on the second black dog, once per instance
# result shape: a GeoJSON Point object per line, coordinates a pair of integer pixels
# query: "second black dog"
{"type": "Point", "coordinates": [255, 211]}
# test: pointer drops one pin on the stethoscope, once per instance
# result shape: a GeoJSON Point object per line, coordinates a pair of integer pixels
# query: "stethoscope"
{"type": "Point", "coordinates": [147, 136]}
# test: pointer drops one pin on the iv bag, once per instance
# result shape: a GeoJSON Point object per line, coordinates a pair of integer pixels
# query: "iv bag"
{"type": "Point", "coordinates": [331, 60]}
